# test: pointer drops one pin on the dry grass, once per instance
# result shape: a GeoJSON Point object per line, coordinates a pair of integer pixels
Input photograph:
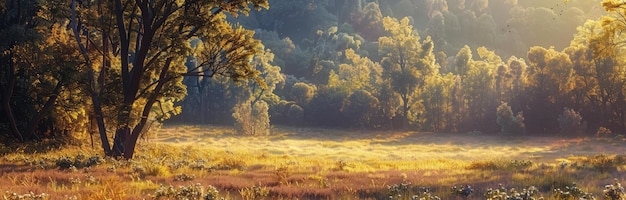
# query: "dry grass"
{"type": "Point", "coordinates": [317, 164]}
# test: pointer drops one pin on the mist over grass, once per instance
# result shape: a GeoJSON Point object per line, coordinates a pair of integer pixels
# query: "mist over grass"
{"type": "Point", "coordinates": [308, 163]}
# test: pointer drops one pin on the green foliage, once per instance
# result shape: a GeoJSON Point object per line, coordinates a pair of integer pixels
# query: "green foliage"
{"type": "Point", "coordinates": [78, 162]}
{"type": "Point", "coordinates": [571, 123]}
{"type": "Point", "coordinates": [346, 47]}
{"type": "Point", "coordinates": [149, 57]}
{"type": "Point", "coordinates": [325, 108]}
{"type": "Point", "coordinates": [302, 93]}
{"type": "Point", "coordinates": [38, 102]}
{"type": "Point", "coordinates": [295, 114]}
{"type": "Point", "coordinates": [437, 100]}
{"type": "Point", "coordinates": [251, 114]}
{"type": "Point", "coordinates": [509, 124]}
{"type": "Point", "coordinates": [407, 61]}
{"type": "Point", "coordinates": [360, 106]}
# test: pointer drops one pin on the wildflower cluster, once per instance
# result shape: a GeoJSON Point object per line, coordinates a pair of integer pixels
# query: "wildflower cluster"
{"type": "Point", "coordinates": [572, 192]}
{"type": "Point", "coordinates": [462, 190]}
{"type": "Point", "coordinates": [614, 191]}
{"type": "Point", "coordinates": [14, 196]}
{"type": "Point", "coordinates": [193, 191]}
{"type": "Point", "coordinates": [502, 193]}
{"type": "Point", "coordinates": [398, 191]}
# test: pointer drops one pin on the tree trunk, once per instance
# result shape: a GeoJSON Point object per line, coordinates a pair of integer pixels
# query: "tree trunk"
{"type": "Point", "coordinates": [126, 140]}
{"type": "Point", "coordinates": [120, 141]}
{"type": "Point", "coordinates": [95, 91]}
{"type": "Point", "coordinates": [7, 92]}
{"type": "Point", "coordinates": [8, 111]}
{"type": "Point", "coordinates": [405, 112]}
{"type": "Point", "coordinates": [47, 107]}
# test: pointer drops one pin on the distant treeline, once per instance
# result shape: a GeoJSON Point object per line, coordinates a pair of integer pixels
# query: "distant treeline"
{"type": "Point", "coordinates": [362, 64]}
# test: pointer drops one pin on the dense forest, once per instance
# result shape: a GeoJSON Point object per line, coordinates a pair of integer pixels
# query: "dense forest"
{"type": "Point", "coordinates": [436, 65]}
{"type": "Point", "coordinates": [118, 68]}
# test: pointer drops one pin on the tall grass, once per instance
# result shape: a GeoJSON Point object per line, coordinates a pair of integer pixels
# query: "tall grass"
{"type": "Point", "coordinates": [316, 164]}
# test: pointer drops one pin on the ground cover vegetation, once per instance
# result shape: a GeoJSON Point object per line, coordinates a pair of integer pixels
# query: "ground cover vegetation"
{"type": "Point", "coordinates": [322, 164]}
{"type": "Point", "coordinates": [118, 70]}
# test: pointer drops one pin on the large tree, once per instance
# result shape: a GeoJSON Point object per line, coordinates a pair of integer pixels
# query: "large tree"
{"type": "Point", "coordinates": [407, 61]}
{"type": "Point", "coordinates": [37, 65]}
{"type": "Point", "coordinates": [147, 43]}
{"type": "Point", "coordinates": [251, 111]}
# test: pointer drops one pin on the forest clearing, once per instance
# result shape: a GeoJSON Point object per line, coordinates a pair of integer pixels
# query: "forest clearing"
{"type": "Point", "coordinates": [313, 99]}
{"type": "Point", "coordinates": [300, 163]}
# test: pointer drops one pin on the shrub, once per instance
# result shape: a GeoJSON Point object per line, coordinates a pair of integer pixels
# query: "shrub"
{"type": "Point", "coordinates": [614, 191]}
{"type": "Point", "coordinates": [14, 196]}
{"type": "Point", "coordinates": [398, 191]}
{"type": "Point", "coordinates": [64, 163]}
{"type": "Point", "coordinates": [425, 195]}
{"type": "Point", "coordinates": [360, 107]}
{"type": "Point", "coordinates": [78, 162]}
{"type": "Point", "coordinates": [502, 193]}
{"type": "Point", "coordinates": [295, 114]}
{"type": "Point", "coordinates": [571, 192]}
{"type": "Point", "coordinates": [193, 191]}
{"type": "Point", "coordinates": [501, 165]}
{"type": "Point", "coordinates": [230, 163]}
{"type": "Point", "coordinates": [184, 177]}
{"type": "Point", "coordinates": [254, 192]}
{"type": "Point", "coordinates": [302, 93]}
{"type": "Point", "coordinates": [151, 169]}
{"type": "Point", "coordinates": [4, 150]}
{"type": "Point", "coordinates": [462, 190]}
{"type": "Point", "coordinates": [509, 124]}
{"type": "Point", "coordinates": [211, 193]}
{"type": "Point", "coordinates": [603, 132]}
{"type": "Point", "coordinates": [571, 122]}
{"type": "Point", "coordinates": [605, 163]}
{"type": "Point", "coordinates": [252, 118]}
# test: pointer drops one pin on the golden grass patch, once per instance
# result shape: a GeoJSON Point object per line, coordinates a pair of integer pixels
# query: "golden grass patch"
{"type": "Point", "coordinates": [314, 164]}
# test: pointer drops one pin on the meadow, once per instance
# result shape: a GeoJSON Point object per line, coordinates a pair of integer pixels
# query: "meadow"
{"type": "Point", "coordinates": [211, 162]}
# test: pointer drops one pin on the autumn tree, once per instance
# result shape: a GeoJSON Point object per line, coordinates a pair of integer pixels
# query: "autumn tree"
{"type": "Point", "coordinates": [407, 61]}
{"type": "Point", "coordinates": [595, 51]}
{"type": "Point", "coordinates": [148, 42]}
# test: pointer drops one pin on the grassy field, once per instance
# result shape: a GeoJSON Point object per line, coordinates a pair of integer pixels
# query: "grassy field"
{"type": "Point", "coordinates": [315, 164]}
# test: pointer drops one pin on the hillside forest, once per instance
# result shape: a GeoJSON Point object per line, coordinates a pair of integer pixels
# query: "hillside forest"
{"type": "Point", "coordinates": [115, 69]}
